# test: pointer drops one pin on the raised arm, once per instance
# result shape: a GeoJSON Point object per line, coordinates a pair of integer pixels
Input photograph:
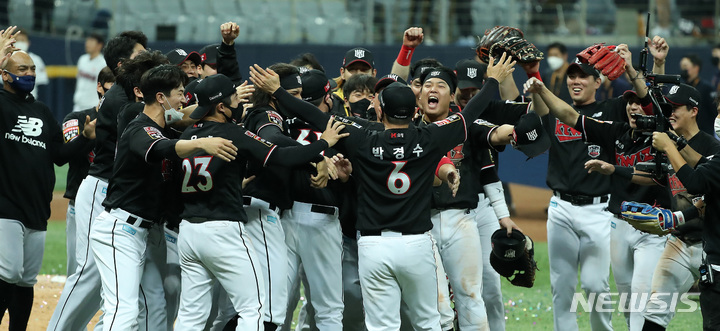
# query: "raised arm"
{"type": "Point", "coordinates": [227, 57]}
{"type": "Point", "coordinates": [412, 38]}
{"type": "Point", "coordinates": [659, 50]}
{"type": "Point", "coordinates": [497, 72]}
{"type": "Point", "coordinates": [636, 79]}
{"type": "Point", "coordinates": [550, 102]}
{"type": "Point", "coordinates": [269, 81]}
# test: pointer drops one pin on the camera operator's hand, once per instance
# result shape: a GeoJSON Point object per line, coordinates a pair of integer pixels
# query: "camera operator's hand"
{"type": "Point", "coordinates": [662, 142]}
{"type": "Point", "coordinates": [659, 49]}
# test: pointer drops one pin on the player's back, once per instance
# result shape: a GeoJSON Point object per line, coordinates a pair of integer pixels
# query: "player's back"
{"type": "Point", "coordinates": [396, 169]}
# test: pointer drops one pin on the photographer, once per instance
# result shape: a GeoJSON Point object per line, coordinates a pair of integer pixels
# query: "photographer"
{"type": "Point", "coordinates": [677, 269]}
{"type": "Point", "coordinates": [632, 252]}
{"type": "Point", "coordinates": [701, 176]}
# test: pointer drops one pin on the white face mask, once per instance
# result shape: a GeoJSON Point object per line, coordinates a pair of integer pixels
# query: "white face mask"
{"type": "Point", "coordinates": [22, 45]}
{"type": "Point", "coordinates": [555, 62]}
{"type": "Point", "coordinates": [171, 115]}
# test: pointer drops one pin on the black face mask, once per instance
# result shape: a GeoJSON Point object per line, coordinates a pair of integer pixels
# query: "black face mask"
{"type": "Point", "coordinates": [360, 108]}
{"type": "Point", "coordinates": [684, 74]}
{"type": "Point", "coordinates": [235, 114]}
{"type": "Point", "coordinates": [715, 60]}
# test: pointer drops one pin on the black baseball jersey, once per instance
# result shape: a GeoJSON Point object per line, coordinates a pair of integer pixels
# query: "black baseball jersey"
{"type": "Point", "coordinates": [705, 179]}
{"type": "Point", "coordinates": [31, 140]}
{"type": "Point", "coordinates": [128, 112]}
{"type": "Point", "coordinates": [705, 145]}
{"type": "Point", "coordinates": [78, 167]}
{"type": "Point", "coordinates": [631, 147]}
{"type": "Point", "coordinates": [143, 173]}
{"type": "Point", "coordinates": [464, 158]}
{"type": "Point", "coordinates": [270, 183]}
{"type": "Point", "coordinates": [106, 132]}
{"type": "Point", "coordinates": [212, 188]}
{"type": "Point", "coordinates": [568, 151]}
{"type": "Point", "coordinates": [300, 188]}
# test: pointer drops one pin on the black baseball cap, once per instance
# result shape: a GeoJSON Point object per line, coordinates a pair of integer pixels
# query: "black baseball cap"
{"type": "Point", "coordinates": [208, 54]}
{"type": "Point", "coordinates": [470, 73]}
{"type": "Point", "coordinates": [386, 80]}
{"type": "Point", "coordinates": [358, 54]}
{"type": "Point", "coordinates": [178, 56]}
{"type": "Point", "coordinates": [530, 136]}
{"type": "Point", "coordinates": [315, 85]}
{"type": "Point", "coordinates": [190, 92]}
{"type": "Point", "coordinates": [397, 100]}
{"type": "Point", "coordinates": [211, 91]}
{"type": "Point", "coordinates": [683, 95]}
{"type": "Point", "coordinates": [586, 68]}
{"type": "Point", "coordinates": [508, 248]}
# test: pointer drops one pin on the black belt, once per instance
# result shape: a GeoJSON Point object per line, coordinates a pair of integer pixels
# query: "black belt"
{"type": "Point", "coordinates": [248, 201]}
{"type": "Point", "coordinates": [323, 209]}
{"type": "Point", "coordinates": [379, 233]}
{"type": "Point", "coordinates": [579, 199]}
{"type": "Point", "coordinates": [141, 223]}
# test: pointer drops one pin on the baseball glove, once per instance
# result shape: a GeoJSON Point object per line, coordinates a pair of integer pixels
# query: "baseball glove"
{"type": "Point", "coordinates": [648, 218]}
{"type": "Point", "coordinates": [514, 257]}
{"type": "Point", "coordinates": [507, 39]}
{"type": "Point", "coordinates": [605, 59]}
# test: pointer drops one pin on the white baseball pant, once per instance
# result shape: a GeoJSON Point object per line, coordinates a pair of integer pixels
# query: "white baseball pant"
{"type": "Point", "coordinates": [487, 224]}
{"type": "Point", "coordinates": [231, 259]}
{"type": "Point", "coordinates": [578, 237]}
{"type": "Point", "coordinates": [171, 277]}
{"type": "Point", "coordinates": [71, 261]}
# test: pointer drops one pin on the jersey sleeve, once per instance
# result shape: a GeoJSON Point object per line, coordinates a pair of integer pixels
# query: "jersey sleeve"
{"type": "Point", "coordinates": [269, 118]}
{"type": "Point", "coordinates": [505, 112]}
{"type": "Point", "coordinates": [72, 126]}
{"type": "Point", "coordinates": [148, 142]}
{"type": "Point", "coordinates": [62, 151]}
{"type": "Point", "coordinates": [302, 109]}
{"type": "Point", "coordinates": [269, 153]}
{"type": "Point", "coordinates": [480, 132]}
{"type": "Point", "coordinates": [227, 63]}
{"type": "Point", "coordinates": [703, 179]}
{"type": "Point", "coordinates": [445, 160]}
{"type": "Point", "coordinates": [600, 132]}
{"type": "Point", "coordinates": [448, 133]}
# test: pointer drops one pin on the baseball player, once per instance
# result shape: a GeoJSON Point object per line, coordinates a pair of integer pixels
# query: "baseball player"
{"type": "Point", "coordinates": [385, 293]}
{"type": "Point", "coordinates": [80, 298]}
{"type": "Point", "coordinates": [585, 242]}
{"type": "Point", "coordinates": [210, 216]}
{"type": "Point", "coordinates": [136, 194]}
{"type": "Point", "coordinates": [31, 143]}
{"type": "Point", "coordinates": [73, 125]}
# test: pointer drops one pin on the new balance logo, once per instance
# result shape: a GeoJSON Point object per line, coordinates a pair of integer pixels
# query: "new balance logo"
{"type": "Point", "coordinates": [472, 72]}
{"type": "Point", "coordinates": [29, 126]}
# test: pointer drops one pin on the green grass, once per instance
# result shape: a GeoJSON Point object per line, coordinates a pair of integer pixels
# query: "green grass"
{"type": "Point", "coordinates": [60, 178]}
{"type": "Point", "coordinates": [525, 308]}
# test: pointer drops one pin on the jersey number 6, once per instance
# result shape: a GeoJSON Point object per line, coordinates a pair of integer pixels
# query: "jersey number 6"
{"type": "Point", "coordinates": [201, 163]}
{"type": "Point", "coordinates": [398, 177]}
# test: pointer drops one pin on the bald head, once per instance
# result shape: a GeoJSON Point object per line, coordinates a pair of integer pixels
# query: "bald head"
{"type": "Point", "coordinates": [19, 64]}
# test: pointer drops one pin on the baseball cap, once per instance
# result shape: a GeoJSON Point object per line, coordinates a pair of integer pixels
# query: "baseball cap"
{"type": "Point", "coordinates": [470, 73]}
{"type": "Point", "coordinates": [631, 94]}
{"type": "Point", "coordinates": [178, 56]}
{"type": "Point", "coordinates": [530, 136]}
{"type": "Point", "coordinates": [208, 54]}
{"type": "Point", "coordinates": [683, 95]}
{"type": "Point", "coordinates": [209, 92]}
{"type": "Point", "coordinates": [315, 84]}
{"type": "Point", "coordinates": [586, 68]}
{"type": "Point", "coordinates": [397, 100]}
{"type": "Point", "coordinates": [507, 248]}
{"type": "Point", "coordinates": [386, 80]}
{"type": "Point", "coordinates": [358, 54]}
{"type": "Point", "coordinates": [190, 92]}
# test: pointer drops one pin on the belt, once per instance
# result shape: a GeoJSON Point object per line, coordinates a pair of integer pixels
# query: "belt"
{"type": "Point", "coordinates": [129, 218]}
{"type": "Point", "coordinates": [385, 233]}
{"type": "Point", "coordinates": [247, 201]}
{"type": "Point", "coordinates": [304, 207]}
{"type": "Point", "coordinates": [580, 200]}
{"type": "Point", "coordinates": [197, 220]}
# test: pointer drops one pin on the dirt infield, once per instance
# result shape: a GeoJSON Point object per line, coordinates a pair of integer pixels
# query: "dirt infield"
{"type": "Point", "coordinates": [530, 205]}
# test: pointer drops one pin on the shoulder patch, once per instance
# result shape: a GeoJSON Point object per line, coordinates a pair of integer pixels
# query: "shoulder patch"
{"type": "Point", "coordinates": [275, 118]}
{"type": "Point", "coordinates": [71, 129]}
{"type": "Point", "coordinates": [484, 123]}
{"type": "Point", "coordinates": [347, 121]}
{"type": "Point", "coordinates": [258, 138]}
{"type": "Point", "coordinates": [153, 132]}
{"type": "Point", "coordinates": [448, 120]}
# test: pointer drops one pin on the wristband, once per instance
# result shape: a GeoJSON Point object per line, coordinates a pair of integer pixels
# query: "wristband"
{"type": "Point", "coordinates": [495, 192]}
{"type": "Point", "coordinates": [536, 75]}
{"type": "Point", "coordinates": [623, 172]}
{"type": "Point", "coordinates": [405, 56]}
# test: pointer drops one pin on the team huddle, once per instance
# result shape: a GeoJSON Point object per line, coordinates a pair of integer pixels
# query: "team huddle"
{"type": "Point", "coordinates": [202, 201]}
